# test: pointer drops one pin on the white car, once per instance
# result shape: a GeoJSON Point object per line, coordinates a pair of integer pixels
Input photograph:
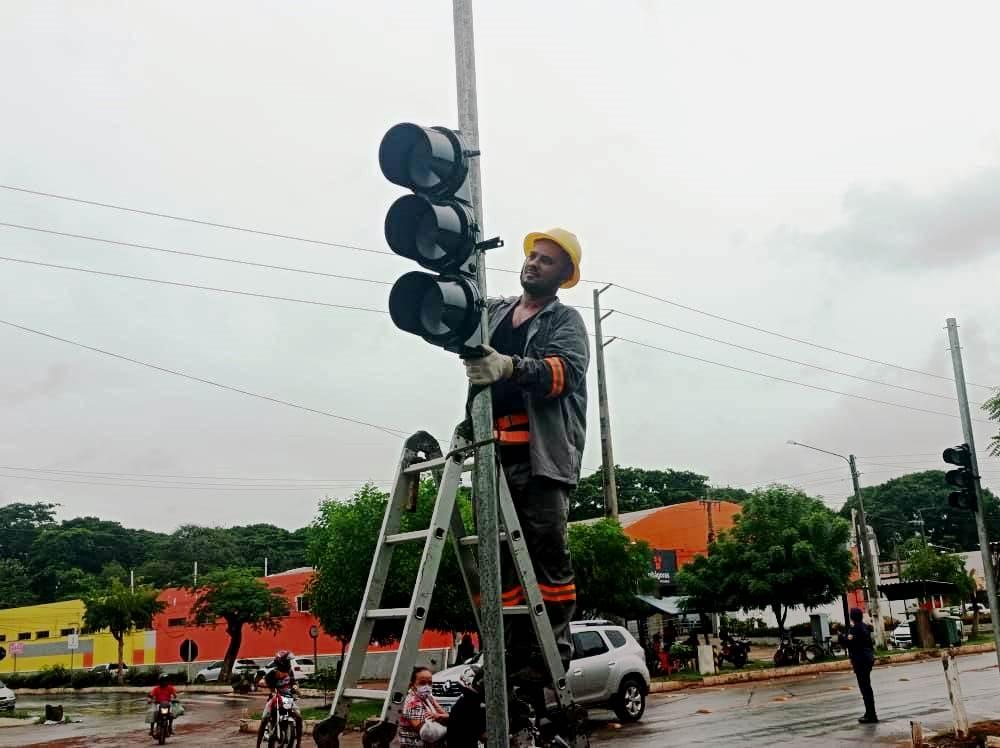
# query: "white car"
{"type": "Point", "coordinates": [302, 667]}
{"type": "Point", "coordinates": [608, 669]}
{"type": "Point", "coordinates": [8, 700]}
{"type": "Point", "coordinates": [901, 636]}
{"type": "Point", "coordinates": [212, 672]}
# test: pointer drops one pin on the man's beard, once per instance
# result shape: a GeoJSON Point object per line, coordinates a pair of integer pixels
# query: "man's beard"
{"type": "Point", "coordinates": [537, 287]}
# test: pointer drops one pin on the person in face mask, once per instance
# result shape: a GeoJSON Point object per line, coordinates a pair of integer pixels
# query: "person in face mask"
{"type": "Point", "coordinates": [420, 707]}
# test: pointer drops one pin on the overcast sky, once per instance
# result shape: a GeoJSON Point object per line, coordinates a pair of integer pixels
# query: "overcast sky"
{"type": "Point", "coordinates": [829, 172]}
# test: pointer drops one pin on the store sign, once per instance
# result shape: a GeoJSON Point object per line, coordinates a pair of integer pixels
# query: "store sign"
{"type": "Point", "coordinates": [664, 566]}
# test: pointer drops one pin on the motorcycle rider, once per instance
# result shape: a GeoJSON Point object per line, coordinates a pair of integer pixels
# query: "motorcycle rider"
{"type": "Point", "coordinates": [280, 681]}
{"type": "Point", "coordinates": [164, 693]}
{"type": "Point", "coordinates": [467, 719]}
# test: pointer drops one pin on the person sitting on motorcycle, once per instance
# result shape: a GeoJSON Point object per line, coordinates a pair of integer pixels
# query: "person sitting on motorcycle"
{"type": "Point", "coordinates": [280, 681]}
{"type": "Point", "coordinates": [164, 693]}
{"type": "Point", "coordinates": [467, 719]}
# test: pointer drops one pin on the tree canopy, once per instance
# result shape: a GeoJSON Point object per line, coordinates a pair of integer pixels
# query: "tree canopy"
{"type": "Point", "coordinates": [992, 408]}
{"type": "Point", "coordinates": [610, 570]}
{"type": "Point", "coordinates": [891, 506]}
{"type": "Point", "coordinates": [239, 598]}
{"type": "Point", "coordinates": [637, 489]}
{"type": "Point", "coordinates": [121, 610]}
{"type": "Point", "coordinates": [784, 550]}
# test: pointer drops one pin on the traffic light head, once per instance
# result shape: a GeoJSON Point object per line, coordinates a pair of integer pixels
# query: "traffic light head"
{"type": "Point", "coordinates": [963, 479]}
{"type": "Point", "coordinates": [959, 455]}
{"type": "Point", "coordinates": [436, 227]}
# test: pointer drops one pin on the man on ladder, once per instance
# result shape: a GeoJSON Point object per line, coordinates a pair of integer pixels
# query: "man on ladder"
{"type": "Point", "coordinates": [537, 367]}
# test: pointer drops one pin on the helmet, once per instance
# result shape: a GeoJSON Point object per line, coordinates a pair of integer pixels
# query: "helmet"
{"type": "Point", "coordinates": [282, 654]}
{"type": "Point", "coordinates": [163, 679]}
{"type": "Point", "coordinates": [569, 244]}
{"type": "Point", "coordinates": [472, 678]}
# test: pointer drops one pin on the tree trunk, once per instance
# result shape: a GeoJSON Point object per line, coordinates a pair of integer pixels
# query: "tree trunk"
{"type": "Point", "coordinates": [120, 638]}
{"type": "Point", "coordinates": [975, 616]}
{"type": "Point", "coordinates": [235, 631]}
{"type": "Point", "coordinates": [780, 614]}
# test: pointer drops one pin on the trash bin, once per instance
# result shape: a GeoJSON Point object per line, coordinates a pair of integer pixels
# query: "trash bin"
{"type": "Point", "coordinates": [947, 631]}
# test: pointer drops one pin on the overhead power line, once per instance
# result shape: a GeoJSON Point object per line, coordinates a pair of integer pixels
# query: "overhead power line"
{"type": "Point", "coordinates": [801, 341]}
{"type": "Point", "coordinates": [172, 487]}
{"type": "Point", "coordinates": [214, 289]}
{"type": "Point", "coordinates": [794, 381]}
{"type": "Point", "coordinates": [783, 358]}
{"type": "Point", "coordinates": [125, 475]}
{"type": "Point", "coordinates": [399, 433]}
{"type": "Point", "coordinates": [198, 255]}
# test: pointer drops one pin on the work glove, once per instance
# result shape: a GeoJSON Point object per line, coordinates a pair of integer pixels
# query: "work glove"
{"type": "Point", "coordinates": [489, 368]}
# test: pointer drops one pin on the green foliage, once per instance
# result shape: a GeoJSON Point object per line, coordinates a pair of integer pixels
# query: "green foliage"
{"type": "Point", "coordinates": [637, 489]}
{"type": "Point", "coordinates": [786, 549]}
{"type": "Point", "coordinates": [891, 505]}
{"type": "Point", "coordinates": [121, 610]}
{"type": "Point", "coordinates": [240, 599]}
{"type": "Point", "coordinates": [15, 584]}
{"type": "Point", "coordinates": [20, 524]}
{"type": "Point", "coordinates": [341, 548]}
{"type": "Point", "coordinates": [924, 562]}
{"type": "Point", "coordinates": [992, 408]}
{"type": "Point", "coordinates": [610, 570]}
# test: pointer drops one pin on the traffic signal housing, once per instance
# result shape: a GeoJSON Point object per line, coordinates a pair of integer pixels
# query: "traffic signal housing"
{"type": "Point", "coordinates": [435, 227]}
{"type": "Point", "coordinates": [963, 479]}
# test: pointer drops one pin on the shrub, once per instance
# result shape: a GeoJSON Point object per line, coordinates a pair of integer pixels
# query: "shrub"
{"type": "Point", "coordinates": [86, 679]}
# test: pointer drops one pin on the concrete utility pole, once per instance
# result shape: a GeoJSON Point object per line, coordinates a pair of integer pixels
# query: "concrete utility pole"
{"type": "Point", "coordinates": [607, 454]}
{"type": "Point", "coordinates": [487, 499]}
{"type": "Point", "coordinates": [868, 570]}
{"type": "Point", "coordinates": [984, 540]}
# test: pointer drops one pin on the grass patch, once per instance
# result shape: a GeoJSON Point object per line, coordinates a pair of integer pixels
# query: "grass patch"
{"type": "Point", "coordinates": [18, 714]}
{"type": "Point", "coordinates": [358, 714]}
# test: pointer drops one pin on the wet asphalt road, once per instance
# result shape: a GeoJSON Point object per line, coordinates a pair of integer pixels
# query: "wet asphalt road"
{"type": "Point", "coordinates": [819, 710]}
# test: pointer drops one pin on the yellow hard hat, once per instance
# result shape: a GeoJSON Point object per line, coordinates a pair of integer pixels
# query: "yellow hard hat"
{"type": "Point", "coordinates": [569, 244]}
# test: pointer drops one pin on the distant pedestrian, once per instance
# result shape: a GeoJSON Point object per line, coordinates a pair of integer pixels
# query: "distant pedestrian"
{"type": "Point", "coordinates": [466, 650]}
{"type": "Point", "coordinates": [861, 648]}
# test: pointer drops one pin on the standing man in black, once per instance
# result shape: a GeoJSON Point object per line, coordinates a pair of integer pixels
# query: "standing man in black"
{"type": "Point", "coordinates": [537, 367]}
{"type": "Point", "coordinates": [861, 648]}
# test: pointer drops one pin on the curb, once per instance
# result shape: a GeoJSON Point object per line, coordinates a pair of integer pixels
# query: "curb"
{"type": "Point", "coordinates": [226, 690]}
{"type": "Point", "coordinates": [752, 676]}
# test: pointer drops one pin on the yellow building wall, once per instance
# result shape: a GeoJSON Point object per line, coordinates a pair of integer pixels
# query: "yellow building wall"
{"type": "Point", "coordinates": [51, 650]}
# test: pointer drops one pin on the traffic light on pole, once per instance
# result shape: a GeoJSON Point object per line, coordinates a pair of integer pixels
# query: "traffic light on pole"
{"type": "Point", "coordinates": [964, 479]}
{"type": "Point", "coordinates": [434, 226]}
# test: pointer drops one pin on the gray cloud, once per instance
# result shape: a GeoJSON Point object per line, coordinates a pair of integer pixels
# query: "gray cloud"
{"type": "Point", "coordinates": [894, 227]}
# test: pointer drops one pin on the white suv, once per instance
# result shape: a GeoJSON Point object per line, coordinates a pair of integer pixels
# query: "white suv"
{"type": "Point", "coordinates": [608, 669]}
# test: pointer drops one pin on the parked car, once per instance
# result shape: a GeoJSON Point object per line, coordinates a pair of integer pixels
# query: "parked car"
{"type": "Point", "coordinates": [303, 667]}
{"type": "Point", "coordinates": [901, 636]}
{"type": "Point", "coordinates": [608, 669]}
{"type": "Point", "coordinates": [109, 669]}
{"type": "Point", "coordinates": [8, 700]}
{"type": "Point", "coordinates": [211, 673]}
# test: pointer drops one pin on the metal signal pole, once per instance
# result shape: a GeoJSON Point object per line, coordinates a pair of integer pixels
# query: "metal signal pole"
{"type": "Point", "coordinates": [607, 455]}
{"type": "Point", "coordinates": [487, 498]}
{"type": "Point", "coordinates": [984, 540]}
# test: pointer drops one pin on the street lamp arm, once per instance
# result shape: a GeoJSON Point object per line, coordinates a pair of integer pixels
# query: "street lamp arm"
{"type": "Point", "coordinates": [817, 449]}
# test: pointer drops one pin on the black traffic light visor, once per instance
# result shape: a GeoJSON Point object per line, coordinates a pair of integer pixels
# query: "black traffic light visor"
{"type": "Point", "coordinates": [439, 236]}
{"type": "Point", "coordinates": [444, 310]}
{"type": "Point", "coordinates": [429, 161]}
{"type": "Point", "coordinates": [958, 456]}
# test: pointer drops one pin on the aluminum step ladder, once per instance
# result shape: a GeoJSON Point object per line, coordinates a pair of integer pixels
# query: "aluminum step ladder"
{"type": "Point", "coordinates": [422, 453]}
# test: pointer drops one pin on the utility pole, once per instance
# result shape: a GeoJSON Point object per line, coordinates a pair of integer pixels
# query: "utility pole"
{"type": "Point", "coordinates": [196, 574]}
{"type": "Point", "coordinates": [487, 499]}
{"type": "Point", "coordinates": [984, 541]}
{"type": "Point", "coordinates": [868, 570]}
{"type": "Point", "coordinates": [607, 455]}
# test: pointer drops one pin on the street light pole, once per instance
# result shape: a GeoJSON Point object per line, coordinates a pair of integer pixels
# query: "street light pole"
{"type": "Point", "coordinates": [607, 454]}
{"type": "Point", "coordinates": [868, 562]}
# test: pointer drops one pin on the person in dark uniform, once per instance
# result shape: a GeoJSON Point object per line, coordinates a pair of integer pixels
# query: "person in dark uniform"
{"type": "Point", "coordinates": [467, 720]}
{"type": "Point", "coordinates": [861, 648]}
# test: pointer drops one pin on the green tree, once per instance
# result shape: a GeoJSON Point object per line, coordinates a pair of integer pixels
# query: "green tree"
{"type": "Point", "coordinates": [238, 598]}
{"type": "Point", "coordinates": [637, 489]}
{"type": "Point", "coordinates": [891, 506]}
{"type": "Point", "coordinates": [121, 610]}
{"type": "Point", "coordinates": [784, 550]}
{"type": "Point", "coordinates": [20, 524]}
{"type": "Point", "coordinates": [610, 570]}
{"type": "Point", "coordinates": [15, 584]}
{"type": "Point", "coordinates": [341, 548]}
{"type": "Point", "coordinates": [925, 562]}
{"type": "Point", "coordinates": [992, 408]}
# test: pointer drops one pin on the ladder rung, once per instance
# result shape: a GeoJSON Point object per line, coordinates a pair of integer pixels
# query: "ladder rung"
{"type": "Point", "coordinates": [439, 462]}
{"type": "Point", "coordinates": [474, 539]}
{"type": "Point", "coordinates": [383, 613]}
{"type": "Point", "coordinates": [515, 610]}
{"type": "Point", "coordinates": [403, 537]}
{"type": "Point", "coordinates": [365, 693]}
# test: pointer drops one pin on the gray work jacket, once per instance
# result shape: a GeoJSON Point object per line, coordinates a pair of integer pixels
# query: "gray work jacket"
{"type": "Point", "coordinates": [553, 377]}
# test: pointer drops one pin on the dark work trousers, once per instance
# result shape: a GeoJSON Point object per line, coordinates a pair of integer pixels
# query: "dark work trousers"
{"type": "Point", "coordinates": [863, 672]}
{"type": "Point", "coordinates": [542, 507]}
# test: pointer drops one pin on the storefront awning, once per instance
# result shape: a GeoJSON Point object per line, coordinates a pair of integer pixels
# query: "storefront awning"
{"type": "Point", "coordinates": [916, 588]}
{"type": "Point", "coordinates": [671, 606]}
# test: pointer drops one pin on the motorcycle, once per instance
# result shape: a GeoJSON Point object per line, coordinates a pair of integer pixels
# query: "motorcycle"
{"type": "Point", "coordinates": [280, 728]}
{"type": "Point", "coordinates": [547, 728]}
{"type": "Point", "coordinates": [737, 651]}
{"type": "Point", "coordinates": [790, 652]}
{"type": "Point", "coordinates": [163, 719]}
